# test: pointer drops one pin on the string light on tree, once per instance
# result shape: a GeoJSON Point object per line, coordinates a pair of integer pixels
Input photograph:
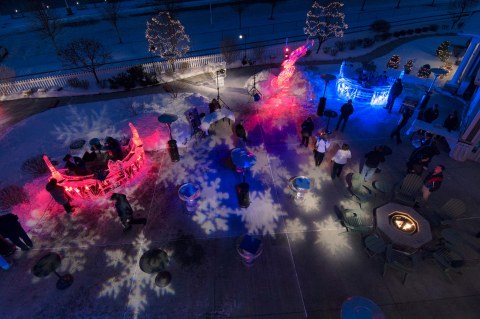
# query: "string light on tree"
{"type": "Point", "coordinates": [424, 71]}
{"type": "Point", "coordinates": [325, 22]}
{"type": "Point", "coordinates": [166, 37]}
{"type": "Point", "coordinates": [394, 62]}
{"type": "Point", "coordinates": [443, 52]}
{"type": "Point", "coordinates": [408, 66]}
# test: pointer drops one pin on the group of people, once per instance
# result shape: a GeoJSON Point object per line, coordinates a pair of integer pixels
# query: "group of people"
{"type": "Point", "coordinates": [77, 166]}
{"type": "Point", "coordinates": [430, 114]}
{"type": "Point", "coordinates": [122, 206]}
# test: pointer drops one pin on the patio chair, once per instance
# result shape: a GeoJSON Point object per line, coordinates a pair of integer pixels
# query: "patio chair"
{"type": "Point", "coordinates": [450, 211]}
{"type": "Point", "coordinates": [395, 261]}
{"type": "Point", "coordinates": [360, 193]}
{"type": "Point", "coordinates": [356, 221]}
{"type": "Point", "coordinates": [449, 260]}
{"type": "Point", "coordinates": [374, 245]}
{"type": "Point", "coordinates": [407, 192]}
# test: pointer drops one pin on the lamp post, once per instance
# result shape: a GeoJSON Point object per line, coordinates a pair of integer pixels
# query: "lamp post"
{"type": "Point", "coordinates": [151, 50]}
{"type": "Point", "coordinates": [323, 100]}
{"type": "Point", "coordinates": [172, 144]}
{"type": "Point", "coordinates": [68, 9]}
{"type": "Point", "coordinates": [241, 36]}
{"type": "Point", "coordinates": [426, 97]}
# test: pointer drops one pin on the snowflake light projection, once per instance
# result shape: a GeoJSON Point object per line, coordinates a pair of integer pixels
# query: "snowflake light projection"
{"type": "Point", "coordinates": [119, 172]}
{"type": "Point", "coordinates": [329, 237]}
{"type": "Point", "coordinates": [288, 65]}
{"type": "Point", "coordinates": [131, 277]}
{"type": "Point", "coordinates": [166, 37]}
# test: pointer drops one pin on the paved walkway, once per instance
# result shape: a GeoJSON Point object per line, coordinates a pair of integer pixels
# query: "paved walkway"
{"type": "Point", "coordinates": [309, 264]}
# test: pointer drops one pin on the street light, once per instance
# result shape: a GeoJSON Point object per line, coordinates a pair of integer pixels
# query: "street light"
{"type": "Point", "coordinates": [241, 36]}
{"type": "Point", "coordinates": [426, 97]}
{"type": "Point", "coordinates": [69, 10]}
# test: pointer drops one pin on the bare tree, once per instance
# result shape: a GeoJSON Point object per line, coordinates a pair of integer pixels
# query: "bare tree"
{"type": "Point", "coordinates": [325, 22]}
{"type": "Point", "coordinates": [273, 4]}
{"type": "Point", "coordinates": [7, 75]}
{"type": "Point", "coordinates": [459, 8]}
{"type": "Point", "coordinates": [229, 49]}
{"type": "Point", "coordinates": [240, 8]}
{"type": "Point", "coordinates": [45, 21]}
{"type": "Point", "coordinates": [88, 54]}
{"type": "Point", "coordinates": [166, 37]}
{"type": "Point", "coordinates": [111, 12]}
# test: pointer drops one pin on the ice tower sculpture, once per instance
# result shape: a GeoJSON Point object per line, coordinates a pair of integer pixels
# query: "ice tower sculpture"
{"type": "Point", "coordinates": [288, 66]}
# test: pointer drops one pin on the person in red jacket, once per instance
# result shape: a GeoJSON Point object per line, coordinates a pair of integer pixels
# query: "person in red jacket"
{"type": "Point", "coordinates": [433, 181]}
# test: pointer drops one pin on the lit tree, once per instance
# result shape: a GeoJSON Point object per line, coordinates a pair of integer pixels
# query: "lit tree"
{"type": "Point", "coordinates": [111, 12]}
{"type": "Point", "coordinates": [88, 54]}
{"type": "Point", "coordinates": [394, 62]}
{"type": "Point", "coordinates": [443, 51]}
{"type": "Point", "coordinates": [459, 8]}
{"type": "Point", "coordinates": [325, 22]}
{"type": "Point", "coordinates": [408, 66]}
{"type": "Point", "coordinates": [166, 37]}
{"type": "Point", "coordinates": [424, 71]}
{"type": "Point", "coordinates": [45, 21]}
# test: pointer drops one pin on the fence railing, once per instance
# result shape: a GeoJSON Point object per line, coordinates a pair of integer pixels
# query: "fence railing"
{"type": "Point", "coordinates": [60, 81]}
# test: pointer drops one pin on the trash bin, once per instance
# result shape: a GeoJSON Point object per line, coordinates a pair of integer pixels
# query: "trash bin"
{"type": "Point", "coordinates": [243, 195]}
{"type": "Point", "coordinates": [173, 151]}
{"type": "Point", "coordinates": [321, 106]}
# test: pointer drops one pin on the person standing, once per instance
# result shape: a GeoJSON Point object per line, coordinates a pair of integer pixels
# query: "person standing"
{"type": "Point", "coordinates": [125, 211]}
{"type": "Point", "coordinates": [240, 131]}
{"type": "Point", "coordinates": [13, 230]}
{"type": "Point", "coordinates": [395, 92]}
{"type": "Point", "coordinates": [432, 182]}
{"type": "Point", "coordinates": [431, 114]}
{"type": "Point", "coordinates": [373, 159]}
{"type": "Point", "coordinates": [59, 195]}
{"type": "Point", "coordinates": [6, 248]}
{"type": "Point", "coordinates": [340, 159]}
{"type": "Point", "coordinates": [321, 147]}
{"type": "Point", "coordinates": [451, 122]}
{"type": "Point", "coordinates": [307, 129]}
{"type": "Point", "coordinates": [407, 113]}
{"type": "Point", "coordinates": [345, 111]}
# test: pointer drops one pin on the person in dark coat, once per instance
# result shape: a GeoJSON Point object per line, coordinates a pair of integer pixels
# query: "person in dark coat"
{"type": "Point", "coordinates": [75, 164]}
{"type": "Point", "coordinates": [114, 149]}
{"type": "Point", "coordinates": [432, 182]}
{"type": "Point", "coordinates": [429, 149]}
{"type": "Point", "coordinates": [407, 113]}
{"type": "Point", "coordinates": [395, 92]}
{"type": "Point", "coordinates": [451, 122]}
{"type": "Point", "coordinates": [372, 160]}
{"type": "Point", "coordinates": [12, 229]}
{"type": "Point", "coordinates": [125, 211]}
{"type": "Point", "coordinates": [6, 248]}
{"type": "Point", "coordinates": [418, 164]}
{"type": "Point", "coordinates": [240, 131]}
{"type": "Point", "coordinates": [307, 130]}
{"type": "Point", "coordinates": [214, 105]}
{"type": "Point", "coordinates": [59, 195]}
{"type": "Point", "coordinates": [345, 111]}
{"type": "Point", "coordinates": [431, 114]}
